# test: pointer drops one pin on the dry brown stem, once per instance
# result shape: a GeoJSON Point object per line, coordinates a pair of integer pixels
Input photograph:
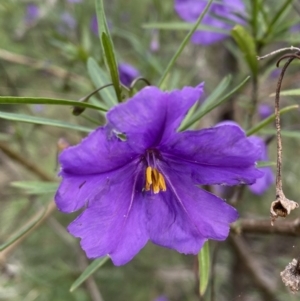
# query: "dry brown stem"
{"type": "Point", "coordinates": [262, 226]}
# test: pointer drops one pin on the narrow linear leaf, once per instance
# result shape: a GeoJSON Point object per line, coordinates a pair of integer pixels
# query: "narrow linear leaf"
{"type": "Point", "coordinates": [213, 97]}
{"type": "Point", "coordinates": [265, 163]}
{"type": "Point", "coordinates": [183, 26]}
{"type": "Point", "coordinates": [217, 93]}
{"type": "Point", "coordinates": [43, 121]}
{"type": "Point", "coordinates": [139, 48]}
{"type": "Point", "coordinates": [91, 269]}
{"type": "Point", "coordinates": [276, 17]}
{"type": "Point", "coordinates": [36, 187]}
{"type": "Point", "coordinates": [22, 231]}
{"type": "Point", "coordinates": [199, 114]}
{"type": "Point", "coordinates": [112, 64]}
{"type": "Point", "coordinates": [292, 92]}
{"type": "Point", "coordinates": [284, 133]}
{"type": "Point", "coordinates": [247, 46]}
{"type": "Point", "coordinates": [47, 101]}
{"type": "Point", "coordinates": [108, 48]}
{"type": "Point", "coordinates": [100, 79]}
{"type": "Point", "coordinates": [204, 268]}
{"type": "Point", "coordinates": [268, 120]}
{"type": "Point", "coordinates": [183, 44]}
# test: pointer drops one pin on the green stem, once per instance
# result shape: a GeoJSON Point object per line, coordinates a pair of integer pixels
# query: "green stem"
{"type": "Point", "coordinates": [254, 17]}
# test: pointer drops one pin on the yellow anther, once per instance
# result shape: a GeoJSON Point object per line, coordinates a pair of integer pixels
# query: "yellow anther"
{"type": "Point", "coordinates": [148, 178]}
{"type": "Point", "coordinates": [155, 180]}
{"type": "Point", "coordinates": [161, 182]}
{"type": "Point", "coordinates": [149, 175]}
{"type": "Point", "coordinates": [155, 175]}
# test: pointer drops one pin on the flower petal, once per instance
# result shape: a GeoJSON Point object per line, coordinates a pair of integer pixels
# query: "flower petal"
{"type": "Point", "coordinates": [127, 73]}
{"type": "Point", "coordinates": [262, 184]}
{"type": "Point", "coordinates": [190, 10]}
{"type": "Point", "coordinates": [76, 191]}
{"type": "Point", "coordinates": [205, 38]}
{"type": "Point", "coordinates": [100, 152]}
{"type": "Point", "coordinates": [219, 155]}
{"type": "Point", "coordinates": [114, 223]}
{"type": "Point", "coordinates": [152, 116]}
{"type": "Point", "coordinates": [184, 216]}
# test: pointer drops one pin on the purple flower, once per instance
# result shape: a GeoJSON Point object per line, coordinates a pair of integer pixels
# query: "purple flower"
{"type": "Point", "coordinates": [154, 43]}
{"type": "Point", "coordinates": [146, 186]}
{"type": "Point", "coordinates": [190, 10]}
{"type": "Point", "coordinates": [295, 28]}
{"type": "Point", "coordinates": [68, 20]}
{"type": "Point", "coordinates": [32, 14]}
{"type": "Point", "coordinates": [74, 1]}
{"type": "Point", "coordinates": [275, 73]}
{"type": "Point", "coordinates": [127, 74]}
{"type": "Point", "coordinates": [262, 184]}
{"type": "Point", "coordinates": [94, 25]}
{"type": "Point", "coordinates": [161, 298]}
{"type": "Point", "coordinates": [265, 110]}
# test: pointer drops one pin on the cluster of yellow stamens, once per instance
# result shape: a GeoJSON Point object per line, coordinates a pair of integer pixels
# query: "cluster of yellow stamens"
{"type": "Point", "coordinates": [155, 179]}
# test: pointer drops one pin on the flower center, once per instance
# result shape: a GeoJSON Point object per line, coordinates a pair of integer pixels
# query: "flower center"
{"type": "Point", "coordinates": [154, 180]}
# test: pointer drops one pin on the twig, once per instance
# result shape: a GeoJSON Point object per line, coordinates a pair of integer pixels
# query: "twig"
{"type": "Point", "coordinates": [50, 209]}
{"type": "Point", "coordinates": [40, 65]}
{"type": "Point", "coordinates": [281, 206]}
{"type": "Point", "coordinates": [262, 226]}
{"type": "Point", "coordinates": [278, 51]}
{"type": "Point", "coordinates": [25, 162]}
{"type": "Point", "coordinates": [51, 206]}
{"type": "Point", "coordinates": [265, 285]}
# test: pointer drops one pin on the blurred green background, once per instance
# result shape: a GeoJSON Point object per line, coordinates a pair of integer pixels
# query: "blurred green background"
{"type": "Point", "coordinates": [46, 56]}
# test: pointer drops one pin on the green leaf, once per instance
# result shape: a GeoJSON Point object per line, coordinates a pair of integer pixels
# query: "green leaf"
{"type": "Point", "coordinates": [182, 26]}
{"type": "Point", "coordinates": [247, 46]}
{"type": "Point", "coordinates": [91, 269]}
{"type": "Point", "coordinates": [100, 79]}
{"type": "Point", "coordinates": [268, 120]}
{"type": "Point", "coordinates": [284, 133]}
{"type": "Point", "coordinates": [214, 102]}
{"type": "Point", "coordinates": [137, 45]}
{"type": "Point", "coordinates": [213, 97]}
{"type": "Point", "coordinates": [47, 101]}
{"type": "Point", "coordinates": [217, 93]}
{"type": "Point", "coordinates": [292, 92]}
{"type": "Point", "coordinates": [108, 48]}
{"type": "Point", "coordinates": [265, 164]}
{"type": "Point", "coordinates": [183, 44]}
{"type": "Point", "coordinates": [22, 231]}
{"type": "Point", "coordinates": [281, 10]}
{"type": "Point", "coordinates": [112, 64]}
{"type": "Point", "coordinates": [36, 187]}
{"type": "Point", "coordinates": [44, 121]}
{"type": "Point", "coordinates": [204, 268]}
